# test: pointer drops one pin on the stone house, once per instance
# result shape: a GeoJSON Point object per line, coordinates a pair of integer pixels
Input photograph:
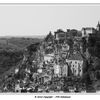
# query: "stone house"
{"type": "Point", "coordinates": [75, 61]}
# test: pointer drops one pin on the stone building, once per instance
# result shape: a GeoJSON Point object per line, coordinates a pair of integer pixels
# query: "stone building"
{"type": "Point", "coordinates": [75, 61]}
{"type": "Point", "coordinates": [88, 30]}
{"type": "Point", "coordinates": [65, 70]}
{"type": "Point", "coordinates": [60, 36]}
{"type": "Point", "coordinates": [57, 70]}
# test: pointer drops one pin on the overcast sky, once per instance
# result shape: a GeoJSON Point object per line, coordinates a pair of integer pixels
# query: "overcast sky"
{"type": "Point", "coordinates": [40, 19]}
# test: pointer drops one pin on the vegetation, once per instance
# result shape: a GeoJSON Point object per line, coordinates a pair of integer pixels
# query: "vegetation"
{"type": "Point", "coordinates": [11, 51]}
{"type": "Point", "coordinates": [9, 59]}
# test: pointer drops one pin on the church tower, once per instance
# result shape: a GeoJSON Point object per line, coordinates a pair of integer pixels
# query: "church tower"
{"type": "Point", "coordinates": [98, 26]}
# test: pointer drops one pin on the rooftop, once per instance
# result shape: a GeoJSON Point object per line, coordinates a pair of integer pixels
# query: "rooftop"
{"type": "Point", "coordinates": [76, 56]}
{"type": "Point", "coordinates": [59, 30]}
{"type": "Point", "coordinates": [88, 28]}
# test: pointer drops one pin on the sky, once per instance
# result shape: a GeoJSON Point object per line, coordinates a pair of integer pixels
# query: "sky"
{"type": "Point", "coordinates": [30, 20]}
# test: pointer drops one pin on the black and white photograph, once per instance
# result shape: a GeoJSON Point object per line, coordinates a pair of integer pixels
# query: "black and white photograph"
{"type": "Point", "coordinates": [50, 48]}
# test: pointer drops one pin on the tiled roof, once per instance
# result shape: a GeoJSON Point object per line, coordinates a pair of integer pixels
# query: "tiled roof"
{"type": "Point", "coordinates": [59, 30]}
{"type": "Point", "coordinates": [76, 56]}
{"type": "Point", "coordinates": [88, 28]}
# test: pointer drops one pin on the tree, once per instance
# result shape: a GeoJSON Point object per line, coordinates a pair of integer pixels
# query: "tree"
{"type": "Point", "coordinates": [70, 42]}
{"type": "Point", "coordinates": [84, 44]}
{"type": "Point", "coordinates": [33, 48]}
{"type": "Point", "coordinates": [49, 37]}
{"type": "Point", "coordinates": [73, 33]}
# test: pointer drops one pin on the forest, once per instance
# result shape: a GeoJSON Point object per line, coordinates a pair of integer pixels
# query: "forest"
{"type": "Point", "coordinates": [11, 51]}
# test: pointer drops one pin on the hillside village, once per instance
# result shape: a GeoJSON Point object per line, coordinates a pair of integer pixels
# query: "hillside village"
{"type": "Point", "coordinates": [63, 62]}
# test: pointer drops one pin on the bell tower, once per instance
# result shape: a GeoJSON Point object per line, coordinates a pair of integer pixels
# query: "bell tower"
{"type": "Point", "coordinates": [98, 26]}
